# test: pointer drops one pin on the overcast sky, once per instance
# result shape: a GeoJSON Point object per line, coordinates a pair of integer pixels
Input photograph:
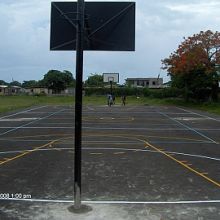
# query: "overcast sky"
{"type": "Point", "coordinates": [160, 27]}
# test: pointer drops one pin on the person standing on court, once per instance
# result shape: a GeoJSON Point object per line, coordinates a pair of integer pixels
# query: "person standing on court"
{"type": "Point", "coordinates": [123, 99]}
{"type": "Point", "coordinates": [109, 100]}
{"type": "Point", "coordinates": [113, 99]}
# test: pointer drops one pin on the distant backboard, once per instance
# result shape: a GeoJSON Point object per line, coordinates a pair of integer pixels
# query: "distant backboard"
{"type": "Point", "coordinates": [109, 26]}
{"type": "Point", "coordinates": [111, 77]}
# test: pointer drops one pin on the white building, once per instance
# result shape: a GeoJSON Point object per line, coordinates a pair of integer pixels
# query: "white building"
{"type": "Point", "coordinates": [10, 90]}
{"type": "Point", "coordinates": [152, 83]}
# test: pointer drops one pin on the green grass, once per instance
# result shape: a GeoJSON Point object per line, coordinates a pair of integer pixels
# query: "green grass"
{"type": "Point", "coordinates": [10, 103]}
{"type": "Point", "coordinates": [206, 106]}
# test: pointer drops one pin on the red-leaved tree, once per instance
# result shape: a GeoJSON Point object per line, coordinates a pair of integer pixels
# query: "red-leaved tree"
{"type": "Point", "coordinates": [194, 65]}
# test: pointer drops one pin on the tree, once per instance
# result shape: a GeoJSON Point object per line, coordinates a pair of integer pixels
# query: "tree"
{"type": "Point", "coordinates": [69, 78]}
{"type": "Point", "coordinates": [15, 83]}
{"type": "Point", "coordinates": [57, 80]}
{"type": "Point", "coordinates": [193, 65]}
{"type": "Point", "coordinates": [30, 83]}
{"type": "Point", "coordinates": [2, 82]}
{"type": "Point", "coordinates": [95, 80]}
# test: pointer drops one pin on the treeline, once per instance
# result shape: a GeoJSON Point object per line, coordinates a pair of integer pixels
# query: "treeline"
{"type": "Point", "coordinates": [129, 91]}
{"type": "Point", "coordinates": [53, 79]}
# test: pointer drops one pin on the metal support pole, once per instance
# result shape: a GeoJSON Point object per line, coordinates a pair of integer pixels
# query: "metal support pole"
{"type": "Point", "coordinates": [78, 207]}
{"type": "Point", "coordinates": [78, 103]}
{"type": "Point", "coordinates": [111, 86]}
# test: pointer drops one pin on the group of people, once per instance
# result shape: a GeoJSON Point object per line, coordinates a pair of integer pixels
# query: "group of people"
{"type": "Point", "coordinates": [111, 100]}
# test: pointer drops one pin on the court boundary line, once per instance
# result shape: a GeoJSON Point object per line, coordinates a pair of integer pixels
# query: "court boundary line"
{"type": "Point", "coordinates": [115, 202]}
{"type": "Point", "coordinates": [183, 164]}
{"type": "Point", "coordinates": [195, 113]}
{"type": "Point", "coordinates": [112, 148]}
{"type": "Point", "coordinates": [189, 128]}
{"type": "Point", "coordinates": [22, 126]}
{"type": "Point", "coordinates": [23, 111]}
{"type": "Point", "coordinates": [113, 128]}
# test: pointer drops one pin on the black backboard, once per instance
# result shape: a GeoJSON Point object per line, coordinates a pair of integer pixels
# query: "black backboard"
{"type": "Point", "coordinates": [109, 26]}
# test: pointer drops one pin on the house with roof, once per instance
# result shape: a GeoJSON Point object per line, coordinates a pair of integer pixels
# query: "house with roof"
{"type": "Point", "coordinates": [151, 83]}
{"type": "Point", "coordinates": [10, 90]}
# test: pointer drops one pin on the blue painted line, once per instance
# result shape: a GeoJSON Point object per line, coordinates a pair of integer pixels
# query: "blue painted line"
{"type": "Point", "coordinates": [189, 128]}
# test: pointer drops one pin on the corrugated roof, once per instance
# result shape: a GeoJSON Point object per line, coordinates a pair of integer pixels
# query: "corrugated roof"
{"type": "Point", "coordinates": [3, 86]}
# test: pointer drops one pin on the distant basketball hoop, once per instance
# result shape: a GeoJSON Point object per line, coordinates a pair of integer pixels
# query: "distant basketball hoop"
{"type": "Point", "coordinates": [111, 78]}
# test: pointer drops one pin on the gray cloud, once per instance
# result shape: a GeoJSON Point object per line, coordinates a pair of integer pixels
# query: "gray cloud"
{"type": "Point", "coordinates": [160, 27]}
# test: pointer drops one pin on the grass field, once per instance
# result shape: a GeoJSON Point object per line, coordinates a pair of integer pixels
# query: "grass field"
{"type": "Point", "coordinates": [10, 103]}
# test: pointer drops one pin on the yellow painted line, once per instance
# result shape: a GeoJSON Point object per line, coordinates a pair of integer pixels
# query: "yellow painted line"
{"type": "Point", "coordinates": [107, 134]}
{"type": "Point", "coordinates": [96, 153]}
{"type": "Point", "coordinates": [29, 151]}
{"type": "Point", "coordinates": [136, 138]}
{"type": "Point", "coordinates": [174, 138]}
{"type": "Point", "coordinates": [107, 119]}
{"type": "Point", "coordinates": [205, 173]}
{"type": "Point", "coordinates": [184, 161]}
{"type": "Point", "coordinates": [25, 153]}
{"type": "Point", "coordinates": [184, 165]}
{"type": "Point", "coordinates": [106, 143]}
{"type": "Point", "coordinates": [123, 135]}
{"type": "Point", "coordinates": [38, 135]}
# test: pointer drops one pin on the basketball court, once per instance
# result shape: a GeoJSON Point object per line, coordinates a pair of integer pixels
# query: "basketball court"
{"type": "Point", "coordinates": [159, 162]}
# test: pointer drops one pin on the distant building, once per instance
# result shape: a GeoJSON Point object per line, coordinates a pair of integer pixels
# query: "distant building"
{"type": "Point", "coordinates": [152, 83]}
{"type": "Point", "coordinates": [38, 90]}
{"type": "Point", "coordinates": [3, 89]}
{"type": "Point", "coordinates": [10, 90]}
{"type": "Point", "coordinates": [69, 91]}
{"type": "Point", "coordinates": [46, 91]}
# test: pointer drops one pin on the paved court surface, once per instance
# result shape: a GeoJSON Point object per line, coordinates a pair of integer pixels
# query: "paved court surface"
{"type": "Point", "coordinates": [139, 162]}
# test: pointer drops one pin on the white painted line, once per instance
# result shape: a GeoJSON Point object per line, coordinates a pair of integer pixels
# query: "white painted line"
{"type": "Point", "coordinates": [115, 202]}
{"type": "Point", "coordinates": [37, 127]}
{"type": "Point", "coordinates": [190, 118]}
{"type": "Point", "coordinates": [22, 126]}
{"type": "Point", "coordinates": [27, 140]}
{"type": "Point", "coordinates": [126, 112]}
{"type": "Point", "coordinates": [116, 149]}
{"type": "Point", "coordinates": [127, 122]}
{"type": "Point", "coordinates": [17, 113]}
{"type": "Point", "coordinates": [107, 142]}
{"type": "Point", "coordinates": [90, 108]}
{"type": "Point", "coordinates": [182, 142]}
{"type": "Point", "coordinates": [17, 119]}
{"type": "Point", "coordinates": [189, 128]}
{"type": "Point", "coordinates": [205, 116]}
{"type": "Point", "coordinates": [113, 128]}
{"type": "Point", "coordinates": [56, 123]}
{"type": "Point", "coordinates": [152, 202]}
{"type": "Point", "coordinates": [135, 128]}
{"type": "Point", "coordinates": [47, 112]}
